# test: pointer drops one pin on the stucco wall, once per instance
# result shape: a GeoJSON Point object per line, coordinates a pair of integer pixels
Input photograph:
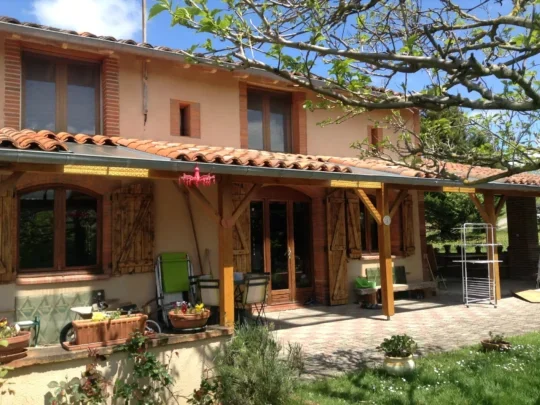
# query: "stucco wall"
{"type": "Point", "coordinates": [217, 94]}
{"type": "Point", "coordinates": [188, 363]}
{"type": "Point", "coordinates": [413, 263]}
{"type": "Point", "coordinates": [336, 139]}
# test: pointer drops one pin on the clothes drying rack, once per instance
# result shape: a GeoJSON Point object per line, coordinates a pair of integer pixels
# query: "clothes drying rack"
{"type": "Point", "coordinates": [481, 287]}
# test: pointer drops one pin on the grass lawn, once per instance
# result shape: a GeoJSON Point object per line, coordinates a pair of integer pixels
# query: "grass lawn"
{"type": "Point", "coordinates": [467, 376]}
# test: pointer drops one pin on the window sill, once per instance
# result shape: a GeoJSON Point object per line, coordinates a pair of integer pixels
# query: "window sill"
{"type": "Point", "coordinates": [34, 279]}
{"type": "Point", "coordinates": [56, 354]}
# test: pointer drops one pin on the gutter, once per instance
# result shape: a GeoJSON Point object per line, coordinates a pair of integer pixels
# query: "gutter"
{"type": "Point", "coordinates": [179, 166]}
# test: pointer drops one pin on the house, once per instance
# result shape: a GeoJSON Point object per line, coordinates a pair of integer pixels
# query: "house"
{"type": "Point", "coordinates": [95, 133]}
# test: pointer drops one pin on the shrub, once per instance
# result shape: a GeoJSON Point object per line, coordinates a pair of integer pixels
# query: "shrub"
{"type": "Point", "coordinates": [398, 346]}
{"type": "Point", "coordinates": [252, 369]}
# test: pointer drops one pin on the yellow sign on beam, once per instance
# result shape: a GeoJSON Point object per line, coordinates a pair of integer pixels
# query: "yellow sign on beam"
{"type": "Point", "coordinates": [467, 190]}
{"type": "Point", "coordinates": [105, 171]}
{"type": "Point", "coordinates": [355, 184]}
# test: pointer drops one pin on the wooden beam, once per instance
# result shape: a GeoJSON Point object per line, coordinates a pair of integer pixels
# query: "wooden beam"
{"type": "Point", "coordinates": [385, 253]}
{"type": "Point", "coordinates": [369, 205]}
{"type": "Point", "coordinates": [500, 205]}
{"type": "Point", "coordinates": [229, 222]}
{"type": "Point", "coordinates": [399, 199]}
{"type": "Point", "coordinates": [226, 281]}
{"type": "Point", "coordinates": [185, 194]}
{"type": "Point", "coordinates": [10, 182]}
{"type": "Point", "coordinates": [205, 204]}
{"type": "Point", "coordinates": [480, 208]}
{"type": "Point", "coordinates": [355, 184]}
{"type": "Point", "coordinates": [492, 251]}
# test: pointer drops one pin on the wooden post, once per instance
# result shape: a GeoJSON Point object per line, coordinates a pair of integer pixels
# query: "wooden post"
{"type": "Point", "coordinates": [385, 256]}
{"type": "Point", "coordinates": [493, 253]}
{"type": "Point", "coordinates": [226, 281]}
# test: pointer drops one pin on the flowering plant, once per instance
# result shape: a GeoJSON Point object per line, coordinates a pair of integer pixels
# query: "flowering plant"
{"type": "Point", "coordinates": [186, 308]}
{"type": "Point", "coordinates": [7, 330]}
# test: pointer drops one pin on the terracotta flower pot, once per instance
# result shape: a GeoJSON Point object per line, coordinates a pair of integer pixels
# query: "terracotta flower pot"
{"type": "Point", "coordinates": [88, 331]}
{"type": "Point", "coordinates": [499, 347]}
{"type": "Point", "coordinates": [399, 365]}
{"type": "Point", "coordinates": [16, 347]}
{"type": "Point", "coordinates": [189, 321]}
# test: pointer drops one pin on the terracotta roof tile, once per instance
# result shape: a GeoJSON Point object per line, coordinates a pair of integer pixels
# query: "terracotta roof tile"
{"type": "Point", "coordinates": [49, 141]}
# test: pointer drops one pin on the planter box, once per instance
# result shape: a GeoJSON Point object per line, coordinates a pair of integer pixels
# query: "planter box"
{"type": "Point", "coordinates": [189, 321]}
{"type": "Point", "coordinates": [500, 347]}
{"type": "Point", "coordinates": [16, 348]}
{"type": "Point", "coordinates": [87, 331]}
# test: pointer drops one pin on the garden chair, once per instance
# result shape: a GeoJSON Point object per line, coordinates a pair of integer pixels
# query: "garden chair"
{"type": "Point", "coordinates": [255, 294]}
{"type": "Point", "coordinates": [173, 272]}
{"type": "Point", "coordinates": [29, 325]}
{"type": "Point", "coordinates": [209, 294]}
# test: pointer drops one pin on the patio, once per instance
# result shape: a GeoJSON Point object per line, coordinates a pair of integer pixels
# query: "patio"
{"type": "Point", "coordinates": [343, 338]}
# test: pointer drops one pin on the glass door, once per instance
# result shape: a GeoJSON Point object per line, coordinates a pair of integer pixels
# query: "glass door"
{"type": "Point", "coordinates": [280, 251]}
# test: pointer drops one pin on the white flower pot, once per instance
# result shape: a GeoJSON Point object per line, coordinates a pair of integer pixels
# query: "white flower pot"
{"type": "Point", "coordinates": [398, 365]}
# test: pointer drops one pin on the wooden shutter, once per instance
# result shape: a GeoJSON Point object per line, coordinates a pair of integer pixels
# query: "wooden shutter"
{"type": "Point", "coordinates": [408, 226]}
{"type": "Point", "coordinates": [7, 236]}
{"type": "Point", "coordinates": [133, 229]}
{"type": "Point", "coordinates": [354, 240]}
{"type": "Point", "coordinates": [241, 232]}
{"type": "Point", "coordinates": [337, 248]}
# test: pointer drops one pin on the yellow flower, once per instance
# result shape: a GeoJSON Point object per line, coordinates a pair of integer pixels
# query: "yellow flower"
{"type": "Point", "coordinates": [98, 316]}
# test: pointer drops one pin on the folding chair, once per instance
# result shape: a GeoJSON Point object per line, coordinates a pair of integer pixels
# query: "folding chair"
{"type": "Point", "coordinates": [173, 271]}
{"type": "Point", "coordinates": [435, 275]}
{"type": "Point", "coordinates": [255, 294]}
{"type": "Point", "coordinates": [209, 294]}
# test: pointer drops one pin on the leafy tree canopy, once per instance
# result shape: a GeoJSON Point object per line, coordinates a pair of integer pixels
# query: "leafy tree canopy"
{"type": "Point", "coordinates": [393, 55]}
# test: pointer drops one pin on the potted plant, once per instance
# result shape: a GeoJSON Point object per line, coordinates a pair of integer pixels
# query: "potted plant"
{"type": "Point", "coordinates": [184, 316]}
{"type": "Point", "coordinates": [496, 342]}
{"type": "Point", "coordinates": [107, 328]}
{"type": "Point", "coordinates": [16, 341]}
{"type": "Point", "coordinates": [398, 354]}
{"type": "Point", "coordinates": [478, 250]}
{"type": "Point", "coordinates": [447, 249]}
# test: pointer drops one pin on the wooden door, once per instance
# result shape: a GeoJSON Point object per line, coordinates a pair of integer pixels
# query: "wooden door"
{"type": "Point", "coordinates": [337, 249]}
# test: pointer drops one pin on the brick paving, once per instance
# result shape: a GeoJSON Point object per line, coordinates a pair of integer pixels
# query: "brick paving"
{"type": "Point", "coordinates": [343, 338]}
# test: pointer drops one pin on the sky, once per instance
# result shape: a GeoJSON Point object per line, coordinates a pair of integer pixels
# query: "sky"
{"type": "Point", "coordinates": [118, 18]}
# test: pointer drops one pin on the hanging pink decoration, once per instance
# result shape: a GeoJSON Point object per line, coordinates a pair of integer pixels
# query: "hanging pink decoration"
{"type": "Point", "coordinates": [196, 180]}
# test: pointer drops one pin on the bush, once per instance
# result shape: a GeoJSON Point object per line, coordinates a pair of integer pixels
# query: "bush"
{"type": "Point", "coordinates": [253, 369]}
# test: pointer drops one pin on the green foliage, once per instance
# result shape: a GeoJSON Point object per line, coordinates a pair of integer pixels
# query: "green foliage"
{"type": "Point", "coordinates": [398, 346]}
{"type": "Point", "coordinates": [496, 337]}
{"type": "Point", "coordinates": [467, 376]}
{"type": "Point", "coordinates": [150, 381]}
{"type": "Point", "coordinates": [90, 389]}
{"type": "Point", "coordinates": [253, 369]}
{"type": "Point", "coordinates": [446, 211]}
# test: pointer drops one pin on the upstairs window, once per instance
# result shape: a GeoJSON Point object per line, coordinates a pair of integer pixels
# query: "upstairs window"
{"type": "Point", "coordinates": [58, 230]}
{"type": "Point", "coordinates": [60, 94]}
{"type": "Point", "coordinates": [269, 121]}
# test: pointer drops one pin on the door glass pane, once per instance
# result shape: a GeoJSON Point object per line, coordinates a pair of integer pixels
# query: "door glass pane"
{"type": "Point", "coordinates": [279, 119]}
{"type": "Point", "coordinates": [255, 121]}
{"type": "Point", "coordinates": [257, 237]}
{"type": "Point", "coordinates": [374, 235]}
{"type": "Point", "coordinates": [81, 99]}
{"type": "Point", "coordinates": [39, 93]}
{"type": "Point", "coordinates": [81, 229]}
{"type": "Point", "coordinates": [279, 246]}
{"type": "Point", "coordinates": [363, 230]}
{"type": "Point", "coordinates": [302, 251]}
{"type": "Point", "coordinates": [36, 230]}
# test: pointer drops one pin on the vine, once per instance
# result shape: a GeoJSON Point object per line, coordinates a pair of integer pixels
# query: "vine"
{"type": "Point", "coordinates": [150, 380]}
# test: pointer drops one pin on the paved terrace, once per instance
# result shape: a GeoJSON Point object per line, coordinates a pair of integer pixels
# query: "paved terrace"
{"type": "Point", "coordinates": [343, 338]}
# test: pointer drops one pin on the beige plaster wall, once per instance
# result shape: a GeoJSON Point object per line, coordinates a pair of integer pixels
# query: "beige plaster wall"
{"type": "Point", "coordinates": [413, 263]}
{"type": "Point", "coordinates": [218, 95]}
{"type": "Point", "coordinates": [188, 363]}
{"type": "Point", "coordinates": [173, 231]}
{"type": "Point", "coordinates": [336, 139]}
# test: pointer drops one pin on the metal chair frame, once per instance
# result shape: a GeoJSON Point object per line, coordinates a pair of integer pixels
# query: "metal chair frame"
{"type": "Point", "coordinates": [254, 280]}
